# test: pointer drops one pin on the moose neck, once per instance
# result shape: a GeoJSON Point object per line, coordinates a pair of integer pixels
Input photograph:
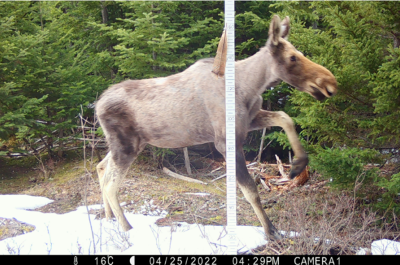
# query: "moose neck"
{"type": "Point", "coordinates": [254, 73]}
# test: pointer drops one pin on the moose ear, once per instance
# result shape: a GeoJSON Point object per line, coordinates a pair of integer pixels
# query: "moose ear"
{"type": "Point", "coordinates": [275, 30]}
{"type": "Point", "coordinates": [285, 28]}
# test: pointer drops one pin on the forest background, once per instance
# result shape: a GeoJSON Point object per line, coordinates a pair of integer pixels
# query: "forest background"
{"type": "Point", "coordinates": [57, 57]}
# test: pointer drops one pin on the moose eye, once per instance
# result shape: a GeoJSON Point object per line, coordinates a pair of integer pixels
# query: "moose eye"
{"type": "Point", "coordinates": [293, 58]}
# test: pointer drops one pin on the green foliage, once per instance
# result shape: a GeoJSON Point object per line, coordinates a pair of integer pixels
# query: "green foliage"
{"type": "Point", "coordinates": [58, 56]}
{"type": "Point", "coordinates": [151, 40]}
{"type": "Point", "coordinates": [249, 148]}
{"type": "Point", "coordinates": [280, 138]}
{"type": "Point", "coordinates": [390, 199]}
{"type": "Point", "coordinates": [99, 132]}
{"type": "Point", "coordinates": [359, 43]}
{"type": "Point", "coordinates": [355, 41]}
{"type": "Point", "coordinates": [22, 162]}
{"type": "Point", "coordinates": [160, 154]}
{"type": "Point", "coordinates": [45, 71]}
{"type": "Point", "coordinates": [344, 166]}
{"type": "Point", "coordinates": [386, 89]}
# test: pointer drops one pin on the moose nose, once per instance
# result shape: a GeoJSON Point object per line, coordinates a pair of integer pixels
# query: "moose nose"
{"type": "Point", "coordinates": [331, 90]}
{"type": "Point", "coordinates": [328, 85]}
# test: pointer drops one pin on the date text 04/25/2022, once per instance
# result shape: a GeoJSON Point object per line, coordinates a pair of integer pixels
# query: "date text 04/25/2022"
{"type": "Point", "coordinates": [243, 260]}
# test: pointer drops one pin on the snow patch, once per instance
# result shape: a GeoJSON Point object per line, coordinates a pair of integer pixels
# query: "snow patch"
{"type": "Point", "coordinates": [385, 247]}
{"type": "Point", "coordinates": [71, 233]}
{"type": "Point", "coordinates": [22, 202]}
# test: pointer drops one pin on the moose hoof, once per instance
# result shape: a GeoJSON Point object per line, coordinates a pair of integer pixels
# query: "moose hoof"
{"type": "Point", "coordinates": [298, 166]}
{"type": "Point", "coordinates": [126, 227]}
{"type": "Point", "coordinates": [110, 215]}
{"type": "Point", "coordinates": [274, 235]}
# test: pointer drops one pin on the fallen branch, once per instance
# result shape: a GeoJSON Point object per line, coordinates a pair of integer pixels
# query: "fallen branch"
{"type": "Point", "coordinates": [282, 181]}
{"type": "Point", "coordinates": [280, 167]}
{"type": "Point", "coordinates": [220, 177]}
{"type": "Point", "coordinates": [175, 175]}
{"type": "Point", "coordinates": [284, 165]}
{"type": "Point", "coordinates": [224, 175]}
{"type": "Point", "coordinates": [91, 139]}
{"type": "Point", "coordinates": [264, 185]}
{"type": "Point", "coordinates": [251, 164]}
{"type": "Point", "coordinates": [215, 170]}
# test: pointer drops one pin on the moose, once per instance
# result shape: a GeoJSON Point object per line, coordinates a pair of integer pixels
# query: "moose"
{"type": "Point", "coordinates": [188, 108]}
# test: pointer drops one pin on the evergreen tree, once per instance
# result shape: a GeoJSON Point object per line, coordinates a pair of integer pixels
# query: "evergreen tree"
{"type": "Point", "coordinates": [359, 43]}
{"type": "Point", "coordinates": [46, 73]}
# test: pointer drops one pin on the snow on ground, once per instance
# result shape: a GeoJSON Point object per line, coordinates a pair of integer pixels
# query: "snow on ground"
{"type": "Point", "coordinates": [70, 233]}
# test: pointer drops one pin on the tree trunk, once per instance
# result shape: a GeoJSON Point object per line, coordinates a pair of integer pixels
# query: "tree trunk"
{"type": "Point", "coordinates": [41, 16]}
{"type": "Point", "coordinates": [104, 12]}
{"type": "Point", "coordinates": [261, 145]}
{"type": "Point", "coordinates": [396, 40]}
{"type": "Point", "coordinates": [104, 16]}
{"type": "Point", "coordinates": [187, 161]}
{"type": "Point", "coordinates": [154, 53]}
{"type": "Point", "coordinates": [263, 134]}
{"type": "Point", "coordinates": [61, 147]}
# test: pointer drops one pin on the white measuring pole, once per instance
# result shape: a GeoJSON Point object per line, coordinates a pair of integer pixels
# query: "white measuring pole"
{"type": "Point", "coordinates": [230, 127]}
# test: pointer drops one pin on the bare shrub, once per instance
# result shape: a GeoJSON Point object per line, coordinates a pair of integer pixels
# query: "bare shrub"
{"type": "Point", "coordinates": [117, 237]}
{"type": "Point", "coordinates": [49, 246]}
{"type": "Point", "coordinates": [13, 249]}
{"type": "Point", "coordinates": [326, 224]}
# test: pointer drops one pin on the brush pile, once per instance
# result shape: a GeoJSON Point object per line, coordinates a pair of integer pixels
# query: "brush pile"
{"type": "Point", "coordinates": [275, 176]}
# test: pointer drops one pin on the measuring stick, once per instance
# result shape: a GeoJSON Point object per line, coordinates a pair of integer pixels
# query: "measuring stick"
{"type": "Point", "coordinates": [230, 128]}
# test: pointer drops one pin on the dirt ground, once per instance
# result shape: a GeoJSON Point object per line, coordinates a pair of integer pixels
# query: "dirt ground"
{"type": "Point", "coordinates": [184, 201]}
{"type": "Point", "coordinates": [147, 188]}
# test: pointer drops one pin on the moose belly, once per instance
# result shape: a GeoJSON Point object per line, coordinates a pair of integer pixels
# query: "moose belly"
{"type": "Point", "coordinates": [180, 138]}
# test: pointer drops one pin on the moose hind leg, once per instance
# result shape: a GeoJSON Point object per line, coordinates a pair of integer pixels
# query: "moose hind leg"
{"type": "Point", "coordinates": [125, 144]}
{"type": "Point", "coordinates": [101, 169]}
{"type": "Point", "coordinates": [113, 176]}
{"type": "Point", "coordinates": [117, 168]}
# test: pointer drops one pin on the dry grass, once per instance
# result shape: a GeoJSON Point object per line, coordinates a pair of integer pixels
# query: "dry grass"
{"type": "Point", "coordinates": [12, 228]}
{"type": "Point", "coordinates": [326, 223]}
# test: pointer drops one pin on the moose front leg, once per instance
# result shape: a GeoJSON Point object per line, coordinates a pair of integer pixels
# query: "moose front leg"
{"type": "Point", "coordinates": [279, 118]}
{"type": "Point", "coordinates": [248, 186]}
{"type": "Point", "coordinates": [250, 192]}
